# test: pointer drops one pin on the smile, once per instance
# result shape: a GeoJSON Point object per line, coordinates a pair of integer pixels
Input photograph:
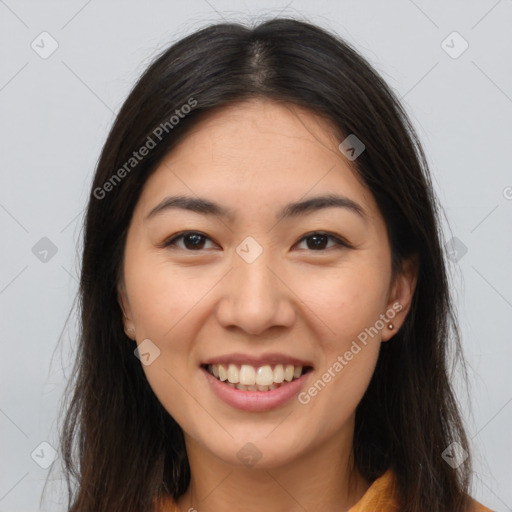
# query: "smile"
{"type": "Point", "coordinates": [246, 377]}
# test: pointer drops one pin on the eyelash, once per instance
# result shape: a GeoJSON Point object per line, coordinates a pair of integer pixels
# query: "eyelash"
{"type": "Point", "coordinates": [340, 243]}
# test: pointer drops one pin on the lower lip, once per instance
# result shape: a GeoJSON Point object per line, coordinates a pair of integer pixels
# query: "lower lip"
{"type": "Point", "coordinates": [255, 400]}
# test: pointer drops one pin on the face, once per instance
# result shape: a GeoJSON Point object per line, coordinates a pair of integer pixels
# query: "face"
{"type": "Point", "coordinates": [273, 292]}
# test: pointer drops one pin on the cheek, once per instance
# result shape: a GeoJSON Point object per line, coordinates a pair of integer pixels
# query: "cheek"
{"type": "Point", "coordinates": [161, 296]}
{"type": "Point", "coordinates": [348, 301]}
{"type": "Point", "coordinates": [334, 395]}
{"type": "Point", "coordinates": [345, 300]}
{"type": "Point", "coordinates": [164, 302]}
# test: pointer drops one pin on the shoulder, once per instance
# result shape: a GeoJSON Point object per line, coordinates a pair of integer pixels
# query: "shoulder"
{"type": "Point", "coordinates": [383, 495]}
{"type": "Point", "coordinates": [478, 507]}
{"type": "Point", "coordinates": [165, 504]}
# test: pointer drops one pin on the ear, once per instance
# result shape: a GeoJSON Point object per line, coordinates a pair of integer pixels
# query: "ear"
{"type": "Point", "coordinates": [122, 298]}
{"type": "Point", "coordinates": [400, 296]}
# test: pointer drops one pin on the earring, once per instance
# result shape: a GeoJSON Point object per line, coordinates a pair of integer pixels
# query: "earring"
{"type": "Point", "coordinates": [127, 329]}
{"type": "Point", "coordinates": [391, 326]}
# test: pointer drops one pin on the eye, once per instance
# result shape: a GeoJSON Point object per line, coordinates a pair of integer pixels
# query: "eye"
{"type": "Point", "coordinates": [317, 241]}
{"type": "Point", "coordinates": [192, 240]}
{"type": "Point", "coordinates": [195, 241]}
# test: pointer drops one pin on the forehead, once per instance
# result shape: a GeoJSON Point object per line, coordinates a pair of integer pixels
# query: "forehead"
{"type": "Point", "coordinates": [254, 154]}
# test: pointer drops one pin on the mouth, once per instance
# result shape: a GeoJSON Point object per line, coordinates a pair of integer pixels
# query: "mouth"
{"type": "Point", "coordinates": [264, 378]}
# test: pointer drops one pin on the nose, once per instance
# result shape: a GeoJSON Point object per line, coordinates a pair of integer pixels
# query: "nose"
{"type": "Point", "coordinates": [255, 296]}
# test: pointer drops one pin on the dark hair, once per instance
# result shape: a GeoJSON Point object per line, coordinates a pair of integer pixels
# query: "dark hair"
{"type": "Point", "coordinates": [120, 446]}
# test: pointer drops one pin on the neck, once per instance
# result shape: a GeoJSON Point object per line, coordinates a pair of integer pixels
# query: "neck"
{"type": "Point", "coordinates": [322, 478]}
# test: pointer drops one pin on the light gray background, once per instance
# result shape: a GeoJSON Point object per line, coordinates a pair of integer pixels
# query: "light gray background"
{"type": "Point", "coordinates": [55, 116]}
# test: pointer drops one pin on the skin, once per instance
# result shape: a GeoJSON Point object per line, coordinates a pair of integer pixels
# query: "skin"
{"type": "Point", "coordinates": [255, 157]}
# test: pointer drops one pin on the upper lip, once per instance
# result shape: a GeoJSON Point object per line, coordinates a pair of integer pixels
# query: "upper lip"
{"type": "Point", "coordinates": [260, 360]}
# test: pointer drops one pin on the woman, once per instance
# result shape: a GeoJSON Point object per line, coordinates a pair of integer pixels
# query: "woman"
{"type": "Point", "coordinates": [265, 305]}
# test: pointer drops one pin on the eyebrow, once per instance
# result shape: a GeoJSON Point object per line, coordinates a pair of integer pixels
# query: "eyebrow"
{"type": "Point", "coordinates": [207, 207]}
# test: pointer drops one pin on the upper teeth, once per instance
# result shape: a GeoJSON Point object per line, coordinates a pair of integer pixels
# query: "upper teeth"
{"type": "Point", "coordinates": [248, 375]}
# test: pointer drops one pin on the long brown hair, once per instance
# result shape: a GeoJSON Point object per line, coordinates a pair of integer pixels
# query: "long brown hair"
{"type": "Point", "coordinates": [120, 447]}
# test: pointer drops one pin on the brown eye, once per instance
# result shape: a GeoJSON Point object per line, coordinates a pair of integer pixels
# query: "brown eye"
{"type": "Point", "coordinates": [319, 241]}
{"type": "Point", "coordinates": [191, 241]}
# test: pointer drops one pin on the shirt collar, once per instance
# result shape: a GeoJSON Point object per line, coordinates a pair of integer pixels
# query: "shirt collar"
{"type": "Point", "coordinates": [381, 496]}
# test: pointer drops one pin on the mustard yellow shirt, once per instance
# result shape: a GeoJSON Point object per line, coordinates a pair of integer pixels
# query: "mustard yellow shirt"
{"type": "Point", "coordinates": [381, 496]}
